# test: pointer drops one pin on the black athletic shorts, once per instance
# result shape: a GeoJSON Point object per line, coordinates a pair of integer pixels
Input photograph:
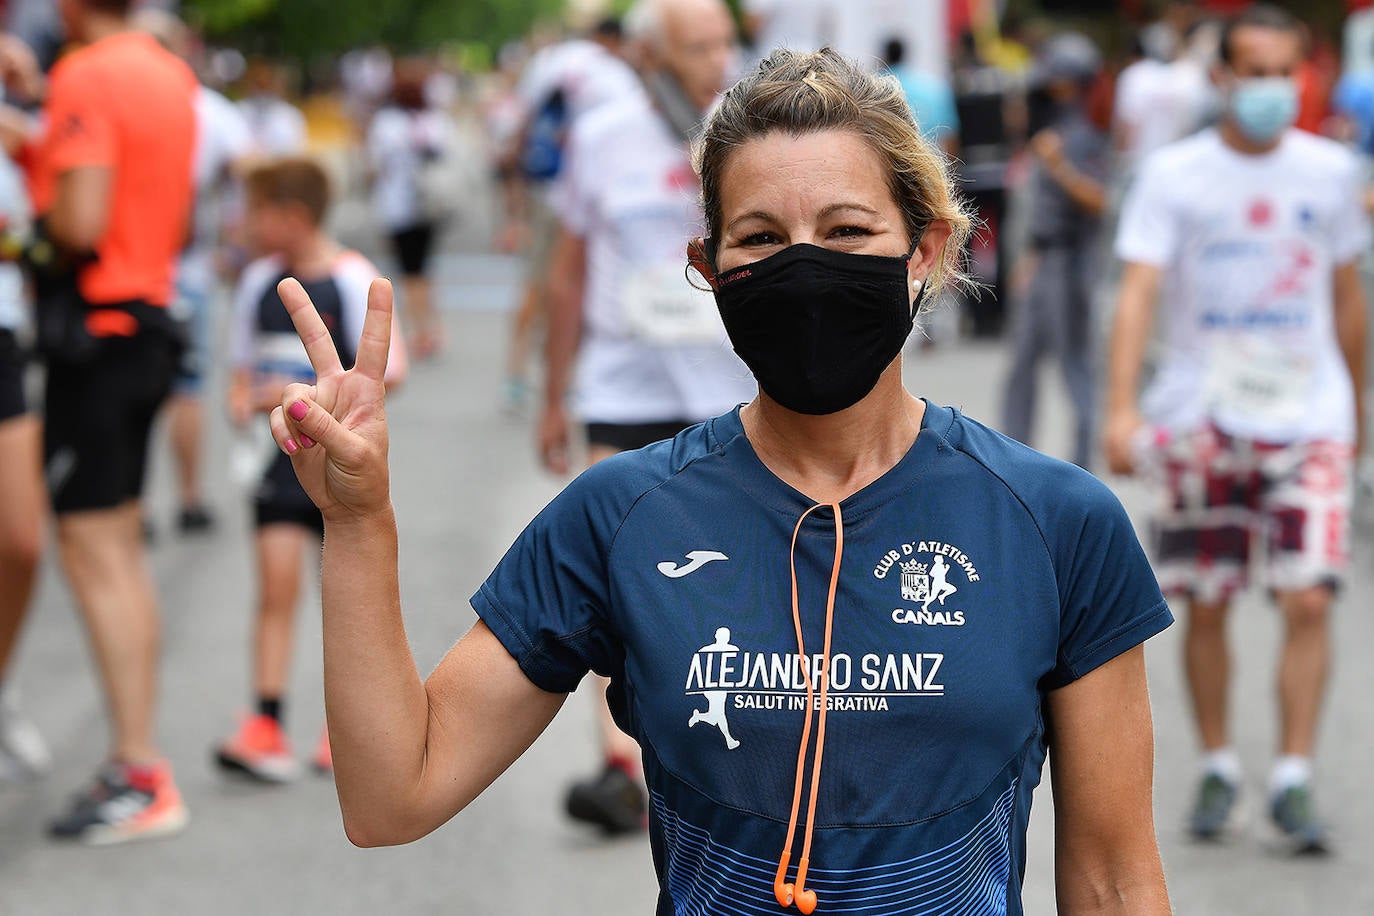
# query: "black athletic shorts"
{"type": "Point", "coordinates": [280, 498]}
{"type": "Point", "coordinates": [627, 437]}
{"type": "Point", "coordinates": [413, 245]}
{"type": "Point", "coordinates": [98, 416]}
{"type": "Point", "coordinates": [12, 403]}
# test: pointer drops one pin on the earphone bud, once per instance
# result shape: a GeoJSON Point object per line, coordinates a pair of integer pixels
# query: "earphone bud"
{"type": "Point", "coordinates": [784, 890]}
{"type": "Point", "coordinates": [787, 893]}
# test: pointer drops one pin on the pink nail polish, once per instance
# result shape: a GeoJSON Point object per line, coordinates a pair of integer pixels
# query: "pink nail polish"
{"type": "Point", "coordinates": [306, 441]}
{"type": "Point", "coordinates": [298, 410]}
{"type": "Point", "coordinates": [292, 446]}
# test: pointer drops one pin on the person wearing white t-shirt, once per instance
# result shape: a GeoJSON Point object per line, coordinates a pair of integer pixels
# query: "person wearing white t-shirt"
{"type": "Point", "coordinates": [642, 352]}
{"type": "Point", "coordinates": [1249, 234]}
{"type": "Point", "coordinates": [561, 84]}
{"type": "Point", "coordinates": [278, 127]}
{"type": "Point", "coordinates": [407, 142]}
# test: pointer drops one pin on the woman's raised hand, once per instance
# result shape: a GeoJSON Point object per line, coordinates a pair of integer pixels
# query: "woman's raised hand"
{"type": "Point", "coordinates": [335, 430]}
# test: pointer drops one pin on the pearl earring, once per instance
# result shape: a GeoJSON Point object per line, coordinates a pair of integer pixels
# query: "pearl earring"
{"type": "Point", "coordinates": [915, 286]}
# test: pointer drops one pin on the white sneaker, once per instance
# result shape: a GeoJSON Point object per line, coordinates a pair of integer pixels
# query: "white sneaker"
{"type": "Point", "coordinates": [23, 753]}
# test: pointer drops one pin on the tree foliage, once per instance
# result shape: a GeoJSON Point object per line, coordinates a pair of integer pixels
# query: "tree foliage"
{"type": "Point", "coordinates": [309, 29]}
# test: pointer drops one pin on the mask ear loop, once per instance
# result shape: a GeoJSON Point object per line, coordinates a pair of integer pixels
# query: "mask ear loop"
{"type": "Point", "coordinates": [690, 271]}
{"type": "Point", "coordinates": [700, 261]}
{"type": "Point", "coordinates": [917, 286]}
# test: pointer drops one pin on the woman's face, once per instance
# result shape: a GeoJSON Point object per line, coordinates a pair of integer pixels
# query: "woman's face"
{"type": "Point", "coordinates": [828, 189]}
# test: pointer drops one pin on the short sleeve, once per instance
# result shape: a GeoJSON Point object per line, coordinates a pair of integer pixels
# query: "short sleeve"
{"type": "Point", "coordinates": [548, 598]}
{"type": "Point", "coordinates": [540, 78]}
{"type": "Point", "coordinates": [80, 125]}
{"type": "Point", "coordinates": [1350, 227]}
{"type": "Point", "coordinates": [1109, 600]}
{"type": "Point", "coordinates": [252, 286]}
{"type": "Point", "coordinates": [1126, 109]}
{"type": "Point", "coordinates": [235, 138]}
{"type": "Point", "coordinates": [573, 195]}
{"type": "Point", "coordinates": [1149, 231]}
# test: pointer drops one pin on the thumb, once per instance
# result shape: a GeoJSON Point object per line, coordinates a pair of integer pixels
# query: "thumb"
{"type": "Point", "coordinates": [318, 426]}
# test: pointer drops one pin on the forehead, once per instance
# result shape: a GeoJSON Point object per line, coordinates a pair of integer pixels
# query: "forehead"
{"type": "Point", "coordinates": [689, 21]}
{"type": "Point", "coordinates": [781, 173]}
{"type": "Point", "coordinates": [1257, 45]}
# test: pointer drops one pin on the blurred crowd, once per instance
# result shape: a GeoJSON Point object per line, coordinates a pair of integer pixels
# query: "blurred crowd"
{"type": "Point", "coordinates": [129, 276]}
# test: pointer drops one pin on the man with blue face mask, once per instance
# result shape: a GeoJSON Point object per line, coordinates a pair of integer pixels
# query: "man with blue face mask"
{"type": "Point", "coordinates": [1249, 235]}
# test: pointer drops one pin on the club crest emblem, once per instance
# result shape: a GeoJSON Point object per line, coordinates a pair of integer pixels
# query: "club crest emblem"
{"type": "Point", "coordinates": [915, 581]}
{"type": "Point", "coordinates": [927, 578]}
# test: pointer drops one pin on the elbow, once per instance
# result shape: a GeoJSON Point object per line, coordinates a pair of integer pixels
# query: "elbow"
{"type": "Point", "coordinates": [368, 833]}
{"type": "Point", "coordinates": [395, 825]}
{"type": "Point", "coordinates": [362, 836]}
{"type": "Point", "coordinates": [367, 837]}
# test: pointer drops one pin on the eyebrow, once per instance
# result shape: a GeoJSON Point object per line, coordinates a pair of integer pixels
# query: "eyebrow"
{"type": "Point", "coordinates": [835, 208]}
{"type": "Point", "coordinates": [754, 214]}
{"type": "Point", "coordinates": [826, 211]}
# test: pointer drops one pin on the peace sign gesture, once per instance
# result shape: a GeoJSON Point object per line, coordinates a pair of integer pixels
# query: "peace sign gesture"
{"type": "Point", "coordinates": [335, 430]}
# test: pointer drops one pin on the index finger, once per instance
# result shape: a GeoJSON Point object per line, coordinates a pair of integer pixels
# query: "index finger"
{"type": "Point", "coordinates": [310, 327]}
{"type": "Point", "coordinates": [375, 344]}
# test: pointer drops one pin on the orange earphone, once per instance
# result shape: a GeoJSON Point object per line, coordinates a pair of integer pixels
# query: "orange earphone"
{"type": "Point", "coordinates": [789, 893]}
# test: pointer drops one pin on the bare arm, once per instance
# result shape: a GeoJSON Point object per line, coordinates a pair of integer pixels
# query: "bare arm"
{"type": "Point", "coordinates": [16, 129]}
{"type": "Point", "coordinates": [1102, 767]}
{"type": "Point", "coordinates": [81, 208]}
{"type": "Point", "coordinates": [566, 286]}
{"type": "Point", "coordinates": [1087, 193]}
{"type": "Point", "coordinates": [408, 754]}
{"type": "Point", "coordinates": [1130, 333]}
{"type": "Point", "coordinates": [1352, 331]}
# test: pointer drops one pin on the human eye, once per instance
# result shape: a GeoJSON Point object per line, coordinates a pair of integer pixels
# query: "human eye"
{"type": "Point", "coordinates": [758, 239]}
{"type": "Point", "coordinates": [850, 232]}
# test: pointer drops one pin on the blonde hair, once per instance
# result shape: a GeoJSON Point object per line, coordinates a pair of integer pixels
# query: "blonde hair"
{"type": "Point", "coordinates": [801, 94]}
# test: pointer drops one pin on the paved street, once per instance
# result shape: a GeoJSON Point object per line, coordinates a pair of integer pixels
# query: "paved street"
{"type": "Point", "coordinates": [465, 482]}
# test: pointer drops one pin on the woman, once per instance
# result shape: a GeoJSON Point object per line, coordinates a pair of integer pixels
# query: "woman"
{"type": "Point", "coordinates": [768, 575]}
{"type": "Point", "coordinates": [409, 145]}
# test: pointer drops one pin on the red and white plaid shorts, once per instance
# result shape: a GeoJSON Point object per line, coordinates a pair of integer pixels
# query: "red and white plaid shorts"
{"type": "Point", "coordinates": [1225, 501]}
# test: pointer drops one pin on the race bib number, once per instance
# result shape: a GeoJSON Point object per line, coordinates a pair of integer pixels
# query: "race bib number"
{"type": "Point", "coordinates": [1260, 382]}
{"type": "Point", "coordinates": [660, 307]}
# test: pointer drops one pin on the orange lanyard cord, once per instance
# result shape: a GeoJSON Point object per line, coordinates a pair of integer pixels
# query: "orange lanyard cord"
{"type": "Point", "coordinates": [806, 899]}
{"type": "Point", "coordinates": [786, 892]}
{"type": "Point", "coordinates": [782, 890]}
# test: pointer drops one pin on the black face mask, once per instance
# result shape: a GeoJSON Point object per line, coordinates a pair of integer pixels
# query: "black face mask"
{"type": "Point", "coordinates": [817, 327]}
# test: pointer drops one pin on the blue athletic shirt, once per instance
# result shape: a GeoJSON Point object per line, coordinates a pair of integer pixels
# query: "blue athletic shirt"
{"type": "Point", "coordinates": [976, 576]}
